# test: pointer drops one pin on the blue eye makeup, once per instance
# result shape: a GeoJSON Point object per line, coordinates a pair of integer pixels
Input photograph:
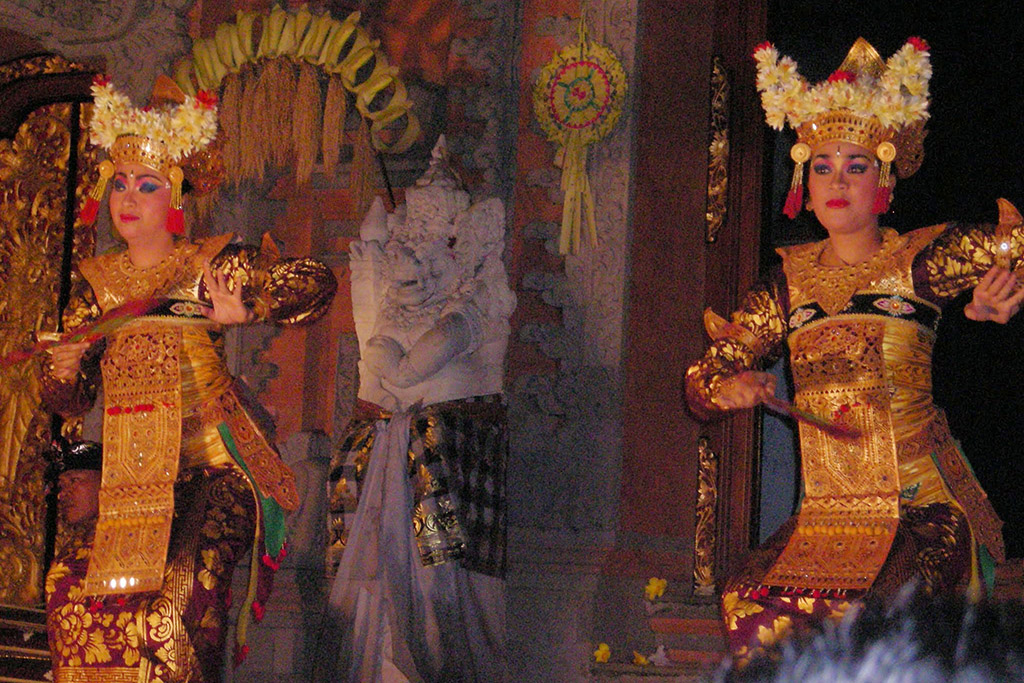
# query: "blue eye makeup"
{"type": "Point", "coordinates": [822, 168]}
{"type": "Point", "coordinates": [143, 185]}
{"type": "Point", "coordinates": [857, 167]}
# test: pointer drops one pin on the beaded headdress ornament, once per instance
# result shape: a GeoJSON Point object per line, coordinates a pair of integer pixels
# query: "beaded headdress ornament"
{"type": "Point", "coordinates": [882, 106]}
{"type": "Point", "coordinates": [173, 135]}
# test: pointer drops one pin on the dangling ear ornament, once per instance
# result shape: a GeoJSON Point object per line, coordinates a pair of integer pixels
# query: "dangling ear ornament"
{"type": "Point", "coordinates": [885, 152]}
{"type": "Point", "coordinates": [175, 215]}
{"type": "Point", "coordinates": [92, 204]}
{"type": "Point", "coordinates": [799, 153]}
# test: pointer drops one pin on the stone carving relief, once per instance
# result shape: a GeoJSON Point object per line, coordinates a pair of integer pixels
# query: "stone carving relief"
{"type": "Point", "coordinates": [575, 414]}
{"type": "Point", "coordinates": [490, 151]}
{"type": "Point", "coordinates": [131, 39]}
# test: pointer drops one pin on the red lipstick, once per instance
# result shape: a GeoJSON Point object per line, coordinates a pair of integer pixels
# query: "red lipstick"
{"type": "Point", "coordinates": [837, 203]}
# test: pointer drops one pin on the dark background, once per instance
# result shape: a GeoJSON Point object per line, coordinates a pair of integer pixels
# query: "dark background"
{"type": "Point", "coordinates": [973, 154]}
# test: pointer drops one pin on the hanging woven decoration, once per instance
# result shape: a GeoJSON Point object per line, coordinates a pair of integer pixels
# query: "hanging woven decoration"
{"type": "Point", "coordinates": [285, 79]}
{"type": "Point", "coordinates": [578, 98]}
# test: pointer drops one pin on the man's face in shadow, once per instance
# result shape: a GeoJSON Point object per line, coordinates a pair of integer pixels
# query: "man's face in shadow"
{"type": "Point", "coordinates": [78, 495]}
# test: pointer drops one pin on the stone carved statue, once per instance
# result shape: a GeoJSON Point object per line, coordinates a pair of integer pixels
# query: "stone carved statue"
{"type": "Point", "coordinates": [430, 295]}
{"type": "Point", "coordinates": [417, 500]}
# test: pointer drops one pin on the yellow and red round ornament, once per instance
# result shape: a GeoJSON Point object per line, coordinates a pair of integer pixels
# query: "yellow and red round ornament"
{"type": "Point", "coordinates": [578, 99]}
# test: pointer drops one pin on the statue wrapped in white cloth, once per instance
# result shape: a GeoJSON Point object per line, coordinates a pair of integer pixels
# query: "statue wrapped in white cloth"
{"type": "Point", "coordinates": [417, 487]}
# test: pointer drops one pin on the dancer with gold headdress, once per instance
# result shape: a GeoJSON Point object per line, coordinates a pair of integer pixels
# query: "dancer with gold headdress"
{"type": "Point", "coordinates": [191, 480]}
{"type": "Point", "coordinates": [858, 312]}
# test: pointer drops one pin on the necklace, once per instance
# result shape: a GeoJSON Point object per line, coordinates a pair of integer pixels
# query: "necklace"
{"type": "Point", "coordinates": [140, 283]}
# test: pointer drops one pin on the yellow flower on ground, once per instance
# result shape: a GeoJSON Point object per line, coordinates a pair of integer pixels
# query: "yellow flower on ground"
{"type": "Point", "coordinates": [639, 659]}
{"type": "Point", "coordinates": [603, 653]}
{"type": "Point", "coordinates": [655, 588]}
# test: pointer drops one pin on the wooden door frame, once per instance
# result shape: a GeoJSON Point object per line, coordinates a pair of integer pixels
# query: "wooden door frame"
{"type": "Point", "coordinates": [675, 273]}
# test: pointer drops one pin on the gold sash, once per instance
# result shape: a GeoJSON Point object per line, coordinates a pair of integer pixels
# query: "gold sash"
{"type": "Point", "coordinates": [141, 447]}
{"type": "Point", "coordinates": [850, 512]}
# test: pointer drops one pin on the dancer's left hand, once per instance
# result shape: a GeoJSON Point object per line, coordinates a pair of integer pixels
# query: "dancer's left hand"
{"type": "Point", "coordinates": [228, 308]}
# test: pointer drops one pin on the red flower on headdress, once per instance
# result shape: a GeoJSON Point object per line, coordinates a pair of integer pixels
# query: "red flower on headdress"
{"type": "Point", "coordinates": [100, 80]}
{"type": "Point", "coordinates": [207, 99]}
{"type": "Point", "coordinates": [920, 44]}
{"type": "Point", "coordinates": [766, 45]}
{"type": "Point", "coordinates": [840, 75]}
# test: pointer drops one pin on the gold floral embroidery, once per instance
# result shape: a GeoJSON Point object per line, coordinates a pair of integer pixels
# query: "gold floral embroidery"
{"type": "Point", "coordinates": [737, 608]}
{"type": "Point", "coordinates": [124, 637]}
{"type": "Point", "coordinates": [58, 570]}
{"type": "Point", "coordinates": [212, 568]}
{"type": "Point", "coordinates": [78, 641]}
{"type": "Point", "coordinates": [805, 605]}
{"type": "Point", "coordinates": [213, 528]}
{"type": "Point", "coordinates": [781, 628]}
{"type": "Point", "coordinates": [161, 626]}
{"type": "Point", "coordinates": [839, 610]}
{"type": "Point", "coordinates": [210, 619]}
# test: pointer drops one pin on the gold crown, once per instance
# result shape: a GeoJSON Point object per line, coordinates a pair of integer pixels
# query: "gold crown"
{"type": "Point", "coordinates": [138, 149]}
{"type": "Point", "coordinates": [882, 106]}
{"type": "Point", "coordinates": [176, 125]}
{"type": "Point", "coordinates": [174, 135]}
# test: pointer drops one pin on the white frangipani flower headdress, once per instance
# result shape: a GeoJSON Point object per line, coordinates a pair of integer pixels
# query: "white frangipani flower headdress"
{"type": "Point", "coordinates": [882, 106]}
{"type": "Point", "coordinates": [169, 135]}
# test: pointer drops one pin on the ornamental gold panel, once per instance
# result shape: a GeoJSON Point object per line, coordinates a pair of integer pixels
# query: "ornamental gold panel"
{"type": "Point", "coordinates": [707, 500]}
{"type": "Point", "coordinates": [33, 186]}
{"type": "Point", "coordinates": [718, 151]}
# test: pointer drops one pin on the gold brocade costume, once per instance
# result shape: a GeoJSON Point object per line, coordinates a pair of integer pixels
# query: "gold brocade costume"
{"type": "Point", "coordinates": [179, 433]}
{"type": "Point", "coordinates": [898, 502]}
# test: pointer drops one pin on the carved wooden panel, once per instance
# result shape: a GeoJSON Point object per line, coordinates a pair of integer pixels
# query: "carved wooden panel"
{"type": "Point", "coordinates": [35, 179]}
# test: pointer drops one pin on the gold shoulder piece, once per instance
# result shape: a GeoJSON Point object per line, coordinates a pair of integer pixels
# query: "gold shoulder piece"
{"type": "Point", "coordinates": [719, 328]}
{"type": "Point", "coordinates": [214, 245]}
{"type": "Point", "coordinates": [714, 323]}
{"type": "Point", "coordinates": [1009, 218]}
{"type": "Point", "coordinates": [268, 248]}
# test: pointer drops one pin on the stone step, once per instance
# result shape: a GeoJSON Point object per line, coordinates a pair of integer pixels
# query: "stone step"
{"type": "Point", "coordinates": [24, 653]}
{"type": "Point", "coordinates": [690, 630]}
{"type": "Point", "coordinates": [671, 625]}
{"type": "Point", "coordinates": [705, 659]}
{"type": "Point", "coordinates": [628, 673]}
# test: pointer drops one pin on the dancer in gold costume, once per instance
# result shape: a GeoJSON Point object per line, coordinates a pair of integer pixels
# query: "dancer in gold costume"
{"type": "Point", "coordinates": [191, 480]}
{"type": "Point", "coordinates": [858, 313]}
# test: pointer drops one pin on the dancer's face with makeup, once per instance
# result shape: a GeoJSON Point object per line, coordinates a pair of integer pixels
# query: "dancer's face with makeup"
{"type": "Point", "coordinates": [842, 183]}
{"type": "Point", "coordinates": [139, 201]}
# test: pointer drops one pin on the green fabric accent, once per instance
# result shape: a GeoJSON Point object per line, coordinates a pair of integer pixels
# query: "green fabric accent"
{"type": "Point", "coordinates": [272, 513]}
{"type": "Point", "coordinates": [988, 568]}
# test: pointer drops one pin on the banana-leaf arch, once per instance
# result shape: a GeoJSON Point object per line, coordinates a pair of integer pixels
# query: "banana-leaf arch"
{"type": "Point", "coordinates": [269, 69]}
